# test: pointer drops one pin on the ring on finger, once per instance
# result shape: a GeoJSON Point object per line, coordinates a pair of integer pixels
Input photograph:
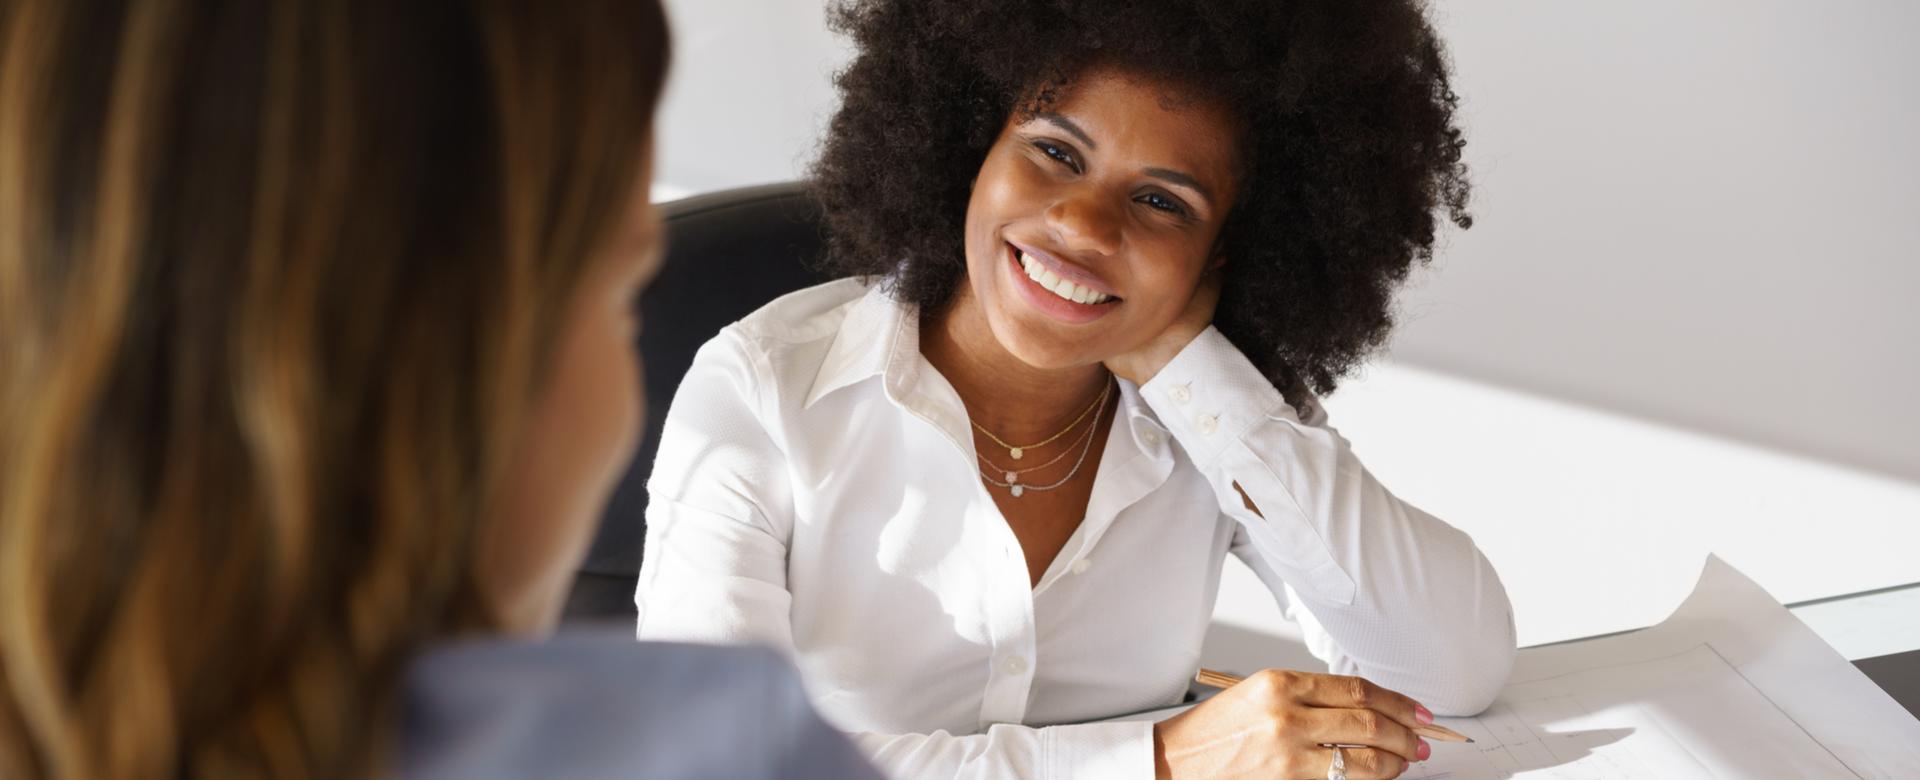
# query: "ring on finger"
{"type": "Point", "coordinates": [1338, 769]}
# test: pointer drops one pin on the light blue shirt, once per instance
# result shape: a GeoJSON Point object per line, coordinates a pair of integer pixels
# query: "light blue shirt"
{"type": "Point", "coordinates": [593, 704]}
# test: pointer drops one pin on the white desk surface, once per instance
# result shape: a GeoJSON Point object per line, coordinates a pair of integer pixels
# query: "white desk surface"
{"type": "Point", "coordinates": [1597, 523]}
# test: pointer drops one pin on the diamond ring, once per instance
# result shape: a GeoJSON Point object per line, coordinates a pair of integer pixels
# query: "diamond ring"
{"type": "Point", "coordinates": [1338, 771]}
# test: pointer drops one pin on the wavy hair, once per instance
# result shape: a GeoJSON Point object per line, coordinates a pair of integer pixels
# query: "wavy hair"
{"type": "Point", "coordinates": [277, 284]}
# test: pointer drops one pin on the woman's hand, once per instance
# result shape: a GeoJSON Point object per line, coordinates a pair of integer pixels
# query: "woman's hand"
{"type": "Point", "coordinates": [1146, 360]}
{"type": "Point", "coordinates": [1272, 725]}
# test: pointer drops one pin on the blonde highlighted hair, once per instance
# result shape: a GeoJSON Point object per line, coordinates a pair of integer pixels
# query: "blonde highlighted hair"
{"type": "Point", "coordinates": [277, 284]}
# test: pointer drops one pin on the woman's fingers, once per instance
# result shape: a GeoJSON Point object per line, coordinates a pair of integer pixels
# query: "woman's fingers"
{"type": "Point", "coordinates": [1362, 764]}
{"type": "Point", "coordinates": [1343, 692]}
{"type": "Point", "coordinates": [1364, 727]}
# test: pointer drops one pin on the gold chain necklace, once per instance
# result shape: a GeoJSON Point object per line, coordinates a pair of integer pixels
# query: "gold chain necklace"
{"type": "Point", "coordinates": [1013, 475]}
{"type": "Point", "coordinates": [1017, 451]}
{"type": "Point", "coordinates": [1018, 489]}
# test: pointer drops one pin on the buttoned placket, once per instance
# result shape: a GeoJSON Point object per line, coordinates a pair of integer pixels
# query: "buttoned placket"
{"type": "Point", "coordinates": [1009, 603]}
{"type": "Point", "coordinates": [1006, 607]}
{"type": "Point", "coordinates": [1127, 474]}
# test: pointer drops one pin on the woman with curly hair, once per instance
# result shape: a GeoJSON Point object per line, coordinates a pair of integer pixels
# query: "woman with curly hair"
{"type": "Point", "coordinates": [1101, 257]}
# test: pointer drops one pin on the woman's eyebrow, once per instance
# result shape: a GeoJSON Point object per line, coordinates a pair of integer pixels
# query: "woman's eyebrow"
{"type": "Point", "coordinates": [1165, 174]}
{"type": "Point", "coordinates": [1184, 180]}
{"type": "Point", "coordinates": [1068, 125]}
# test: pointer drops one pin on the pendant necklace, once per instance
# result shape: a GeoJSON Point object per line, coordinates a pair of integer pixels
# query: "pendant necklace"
{"type": "Point", "coordinates": [1012, 476]}
{"type": "Point", "coordinates": [1018, 451]}
{"type": "Point", "coordinates": [1018, 489]}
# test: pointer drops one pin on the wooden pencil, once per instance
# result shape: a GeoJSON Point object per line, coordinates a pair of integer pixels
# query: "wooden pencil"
{"type": "Point", "coordinates": [1433, 731]}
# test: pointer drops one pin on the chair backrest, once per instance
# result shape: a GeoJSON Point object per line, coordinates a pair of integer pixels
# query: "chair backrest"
{"type": "Point", "coordinates": [728, 253]}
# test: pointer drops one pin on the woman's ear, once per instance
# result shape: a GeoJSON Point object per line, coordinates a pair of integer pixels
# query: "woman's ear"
{"type": "Point", "coordinates": [1218, 261]}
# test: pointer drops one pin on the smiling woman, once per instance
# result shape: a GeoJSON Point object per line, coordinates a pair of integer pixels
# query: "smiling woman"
{"type": "Point", "coordinates": [1345, 112]}
{"type": "Point", "coordinates": [1101, 257]}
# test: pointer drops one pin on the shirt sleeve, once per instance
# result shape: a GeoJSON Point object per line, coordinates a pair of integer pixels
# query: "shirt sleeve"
{"type": "Point", "coordinates": [718, 511]}
{"type": "Point", "coordinates": [1094, 751]}
{"type": "Point", "coordinates": [719, 520]}
{"type": "Point", "coordinates": [1382, 589]}
{"type": "Point", "coordinates": [804, 745]}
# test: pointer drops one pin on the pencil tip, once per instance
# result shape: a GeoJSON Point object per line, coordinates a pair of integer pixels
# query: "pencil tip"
{"type": "Point", "coordinates": [1469, 739]}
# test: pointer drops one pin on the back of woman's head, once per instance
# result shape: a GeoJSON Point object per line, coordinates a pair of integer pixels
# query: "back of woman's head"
{"type": "Point", "coordinates": [277, 281]}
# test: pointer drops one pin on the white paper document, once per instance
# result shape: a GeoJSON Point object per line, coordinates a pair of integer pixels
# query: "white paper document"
{"type": "Point", "coordinates": [1731, 686]}
{"type": "Point", "coordinates": [1687, 716]}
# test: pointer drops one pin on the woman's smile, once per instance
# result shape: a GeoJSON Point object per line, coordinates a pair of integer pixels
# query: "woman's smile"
{"type": "Point", "coordinates": [1059, 289]}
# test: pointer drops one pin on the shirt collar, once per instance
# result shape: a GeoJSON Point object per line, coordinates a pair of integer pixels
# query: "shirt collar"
{"type": "Point", "coordinates": [878, 337]}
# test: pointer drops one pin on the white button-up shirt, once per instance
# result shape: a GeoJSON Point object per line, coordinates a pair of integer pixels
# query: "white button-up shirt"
{"type": "Point", "coordinates": [816, 490]}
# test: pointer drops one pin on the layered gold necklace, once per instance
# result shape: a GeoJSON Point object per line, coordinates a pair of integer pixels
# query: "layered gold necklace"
{"type": "Point", "coordinates": [1010, 478]}
{"type": "Point", "coordinates": [1017, 451]}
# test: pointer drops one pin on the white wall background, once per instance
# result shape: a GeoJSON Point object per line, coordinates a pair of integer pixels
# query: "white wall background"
{"type": "Point", "coordinates": [749, 95]}
{"type": "Point", "coordinates": [1697, 219]}
{"type": "Point", "coordinates": [1705, 213]}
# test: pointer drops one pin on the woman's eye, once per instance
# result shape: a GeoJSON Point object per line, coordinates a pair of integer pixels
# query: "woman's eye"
{"type": "Point", "coordinates": [1058, 154]}
{"type": "Point", "coordinates": [1163, 203]}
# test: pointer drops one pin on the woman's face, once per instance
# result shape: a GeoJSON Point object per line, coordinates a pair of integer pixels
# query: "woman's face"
{"type": "Point", "coordinates": [578, 437]}
{"type": "Point", "coordinates": [1091, 221]}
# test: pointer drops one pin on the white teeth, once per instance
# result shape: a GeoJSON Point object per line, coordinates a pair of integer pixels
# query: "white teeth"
{"type": "Point", "coordinates": [1058, 286]}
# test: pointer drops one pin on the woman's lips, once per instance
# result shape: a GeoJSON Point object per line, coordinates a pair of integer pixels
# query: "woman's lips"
{"type": "Point", "coordinates": [1049, 302]}
{"type": "Point", "coordinates": [1064, 269]}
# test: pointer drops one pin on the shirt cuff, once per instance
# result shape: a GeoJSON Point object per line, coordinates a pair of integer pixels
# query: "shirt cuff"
{"type": "Point", "coordinates": [1210, 395]}
{"type": "Point", "coordinates": [1098, 751]}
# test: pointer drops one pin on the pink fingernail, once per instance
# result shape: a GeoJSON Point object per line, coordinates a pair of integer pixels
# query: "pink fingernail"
{"type": "Point", "coordinates": [1424, 751]}
{"type": "Point", "coordinates": [1421, 714]}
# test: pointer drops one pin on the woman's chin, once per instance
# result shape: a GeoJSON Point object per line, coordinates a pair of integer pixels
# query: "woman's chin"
{"type": "Point", "coordinates": [1046, 349]}
{"type": "Point", "coordinates": [1039, 341]}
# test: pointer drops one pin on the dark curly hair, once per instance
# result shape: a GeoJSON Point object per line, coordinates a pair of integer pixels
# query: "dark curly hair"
{"type": "Point", "coordinates": [1351, 147]}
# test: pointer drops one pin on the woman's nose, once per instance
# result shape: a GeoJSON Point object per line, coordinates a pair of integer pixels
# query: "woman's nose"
{"type": "Point", "coordinates": [1083, 224]}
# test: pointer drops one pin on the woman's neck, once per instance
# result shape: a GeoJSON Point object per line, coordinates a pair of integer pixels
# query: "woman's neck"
{"type": "Point", "coordinates": [1016, 401]}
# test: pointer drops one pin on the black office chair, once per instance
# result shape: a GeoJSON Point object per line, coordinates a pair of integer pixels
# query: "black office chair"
{"type": "Point", "coordinates": [728, 253]}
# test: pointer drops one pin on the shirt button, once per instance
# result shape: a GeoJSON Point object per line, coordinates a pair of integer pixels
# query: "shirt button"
{"type": "Point", "coordinates": [1081, 566]}
{"type": "Point", "coordinates": [1207, 423]}
{"type": "Point", "coordinates": [1181, 393]}
{"type": "Point", "coordinates": [1152, 438]}
{"type": "Point", "coordinates": [1016, 665]}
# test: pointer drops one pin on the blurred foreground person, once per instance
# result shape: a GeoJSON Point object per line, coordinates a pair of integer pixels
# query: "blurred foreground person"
{"type": "Point", "coordinates": [315, 370]}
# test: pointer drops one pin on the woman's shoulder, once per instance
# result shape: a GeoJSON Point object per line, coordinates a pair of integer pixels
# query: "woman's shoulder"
{"type": "Point", "coordinates": [807, 314]}
{"type": "Point", "coordinates": [811, 340]}
{"type": "Point", "coordinates": [600, 704]}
